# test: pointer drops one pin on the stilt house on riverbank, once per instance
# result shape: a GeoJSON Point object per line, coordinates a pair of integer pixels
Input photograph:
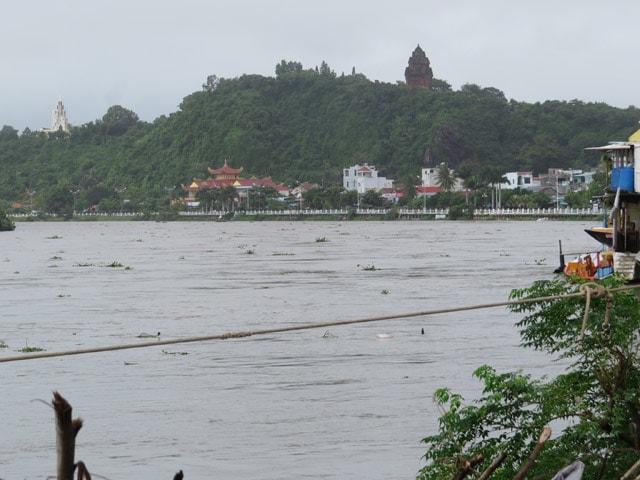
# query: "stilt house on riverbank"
{"type": "Point", "coordinates": [622, 160]}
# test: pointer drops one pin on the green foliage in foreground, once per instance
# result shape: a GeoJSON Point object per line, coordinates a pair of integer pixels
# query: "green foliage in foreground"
{"type": "Point", "coordinates": [597, 400]}
{"type": "Point", "coordinates": [6, 225]}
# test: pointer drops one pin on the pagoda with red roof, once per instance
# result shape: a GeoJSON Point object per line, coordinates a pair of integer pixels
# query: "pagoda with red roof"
{"type": "Point", "coordinates": [226, 172]}
{"type": "Point", "coordinates": [227, 176]}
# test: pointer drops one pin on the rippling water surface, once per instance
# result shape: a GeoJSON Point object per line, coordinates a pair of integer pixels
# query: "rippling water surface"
{"type": "Point", "coordinates": [280, 406]}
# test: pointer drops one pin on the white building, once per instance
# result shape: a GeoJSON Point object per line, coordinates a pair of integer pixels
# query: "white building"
{"type": "Point", "coordinates": [518, 180]}
{"type": "Point", "coordinates": [364, 177]}
{"type": "Point", "coordinates": [60, 123]}
{"type": "Point", "coordinates": [430, 178]}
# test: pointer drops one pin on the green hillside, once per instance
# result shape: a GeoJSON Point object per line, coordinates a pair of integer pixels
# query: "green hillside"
{"type": "Point", "coordinates": [301, 125]}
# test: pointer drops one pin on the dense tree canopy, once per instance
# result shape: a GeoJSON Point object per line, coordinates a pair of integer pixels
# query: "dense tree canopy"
{"type": "Point", "coordinates": [594, 406]}
{"type": "Point", "coordinates": [302, 125]}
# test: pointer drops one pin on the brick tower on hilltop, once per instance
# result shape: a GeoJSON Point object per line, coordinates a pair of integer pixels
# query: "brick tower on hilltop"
{"type": "Point", "coordinates": [418, 73]}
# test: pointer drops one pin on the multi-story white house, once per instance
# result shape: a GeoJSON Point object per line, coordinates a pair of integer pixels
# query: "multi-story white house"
{"type": "Point", "coordinates": [518, 179]}
{"type": "Point", "coordinates": [364, 177]}
{"type": "Point", "coordinates": [430, 179]}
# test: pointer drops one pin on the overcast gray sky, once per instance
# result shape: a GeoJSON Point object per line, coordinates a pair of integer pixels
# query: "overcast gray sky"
{"type": "Point", "coordinates": [147, 55]}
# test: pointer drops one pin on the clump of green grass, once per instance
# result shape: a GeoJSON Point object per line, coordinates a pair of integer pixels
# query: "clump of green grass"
{"type": "Point", "coordinates": [115, 264]}
{"type": "Point", "coordinates": [83, 265]}
{"type": "Point", "coordinates": [28, 349]}
{"type": "Point", "coordinates": [3, 345]}
{"type": "Point", "coordinates": [321, 239]}
{"type": "Point", "coordinates": [278, 254]}
{"type": "Point", "coordinates": [385, 292]}
{"type": "Point", "coordinates": [53, 237]}
{"type": "Point", "coordinates": [250, 252]}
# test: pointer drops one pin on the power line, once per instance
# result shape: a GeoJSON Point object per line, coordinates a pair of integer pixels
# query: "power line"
{"type": "Point", "coordinates": [588, 290]}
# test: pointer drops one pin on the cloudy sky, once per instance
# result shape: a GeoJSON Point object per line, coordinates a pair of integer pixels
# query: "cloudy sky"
{"type": "Point", "coordinates": [147, 55]}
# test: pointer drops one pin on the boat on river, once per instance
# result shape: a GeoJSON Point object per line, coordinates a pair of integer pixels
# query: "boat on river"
{"type": "Point", "coordinates": [591, 265]}
{"type": "Point", "coordinates": [619, 236]}
{"type": "Point", "coordinates": [594, 265]}
{"type": "Point", "coordinates": [604, 235]}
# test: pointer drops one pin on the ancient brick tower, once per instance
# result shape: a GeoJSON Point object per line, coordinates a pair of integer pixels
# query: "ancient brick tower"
{"type": "Point", "coordinates": [418, 73]}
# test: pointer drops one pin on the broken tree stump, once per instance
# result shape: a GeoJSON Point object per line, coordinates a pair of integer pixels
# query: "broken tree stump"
{"type": "Point", "coordinates": [67, 429]}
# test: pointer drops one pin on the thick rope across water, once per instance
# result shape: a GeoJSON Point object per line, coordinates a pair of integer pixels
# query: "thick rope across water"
{"type": "Point", "coordinates": [584, 292]}
{"type": "Point", "coordinates": [594, 290]}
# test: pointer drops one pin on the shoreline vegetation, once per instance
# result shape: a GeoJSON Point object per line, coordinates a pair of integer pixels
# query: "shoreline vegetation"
{"type": "Point", "coordinates": [6, 223]}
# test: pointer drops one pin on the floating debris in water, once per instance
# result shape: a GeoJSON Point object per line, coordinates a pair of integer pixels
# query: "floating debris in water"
{"type": "Point", "coordinates": [166, 352]}
{"type": "Point", "coordinates": [148, 335]}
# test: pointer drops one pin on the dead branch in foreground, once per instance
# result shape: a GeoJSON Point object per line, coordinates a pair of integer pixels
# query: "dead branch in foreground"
{"type": "Point", "coordinates": [465, 467]}
{"type": "Point", "coordinates": [493, 467]}
{"type": "Point", "coordinates": [544, 436]}
{"type": "Point", "coordinates": [67, 429]}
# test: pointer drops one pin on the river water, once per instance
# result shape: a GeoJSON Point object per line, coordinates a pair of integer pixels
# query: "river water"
{"type": "Point", "coordinates": [301, 404]}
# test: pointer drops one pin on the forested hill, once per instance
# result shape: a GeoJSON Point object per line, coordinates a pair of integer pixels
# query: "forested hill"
{"type": "Point", "coordinates": [304, 125]}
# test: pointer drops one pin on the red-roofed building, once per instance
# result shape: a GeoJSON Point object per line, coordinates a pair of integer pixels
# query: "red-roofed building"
{"type": "Point", "coordinates": [302, 188]}
{"type": "Point", "coordinates": [391, 194]}
{"type": "Point", "coordinates": [228, 176]}
{"type": "Point", "coordinates": [226, 172]}
{"type": "Point", "coordinates": [422, 191]}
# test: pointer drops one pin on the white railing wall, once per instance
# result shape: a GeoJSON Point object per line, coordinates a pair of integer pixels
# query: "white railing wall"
{"type": "Point", "coordinates": [401, 213]}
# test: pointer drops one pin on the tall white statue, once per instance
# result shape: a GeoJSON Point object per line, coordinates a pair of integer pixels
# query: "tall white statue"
{"type": "Point", "coordinates": [60, 123]}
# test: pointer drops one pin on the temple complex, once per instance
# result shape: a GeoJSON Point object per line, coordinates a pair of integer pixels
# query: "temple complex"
{"type": "Point", "coordinates": [418, 73]}
{"type": "Point", "coordinates": [60, 123]}
{"type": "Point", "coordinates": [226, 176]}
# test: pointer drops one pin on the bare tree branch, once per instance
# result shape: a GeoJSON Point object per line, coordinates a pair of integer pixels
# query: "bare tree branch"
{"type": "Point", "coordinates": [66, 431]}
{"type": "Point", "coordinates": [544, 436]}
{"type": "Point", "coordinates": [493, 467]}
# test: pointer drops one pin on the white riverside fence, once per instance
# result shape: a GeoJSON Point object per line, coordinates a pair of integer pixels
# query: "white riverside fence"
{"type": "Point", "coordinates": [441, 213]}
{"type": "Point", "coordinates": [415, 212]}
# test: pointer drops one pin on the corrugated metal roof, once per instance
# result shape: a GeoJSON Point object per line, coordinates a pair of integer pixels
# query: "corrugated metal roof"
{"type": "Point", "coordinates": [611, 146]}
